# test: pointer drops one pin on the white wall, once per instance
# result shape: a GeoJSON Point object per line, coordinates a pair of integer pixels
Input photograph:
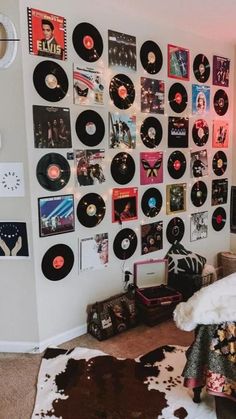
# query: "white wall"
{"type": "Point", "coordinates": [18, 309]}
{"type": "Point", "coordinates": [62, 305]}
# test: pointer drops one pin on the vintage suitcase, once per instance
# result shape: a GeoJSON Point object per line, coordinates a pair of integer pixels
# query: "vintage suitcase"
{"type": "Point", "coordinates": [150, 279]}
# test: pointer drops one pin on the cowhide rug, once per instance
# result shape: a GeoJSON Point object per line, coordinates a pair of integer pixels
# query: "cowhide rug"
{"type": "Point", "coordinates": [89, 384]}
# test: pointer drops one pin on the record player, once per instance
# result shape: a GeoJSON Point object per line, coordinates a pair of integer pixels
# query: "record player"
{"type": "Point", "coordinates": [155, 300]}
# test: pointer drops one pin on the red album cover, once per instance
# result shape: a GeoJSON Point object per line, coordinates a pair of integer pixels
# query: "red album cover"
{"type": "Point", "coordinates": [124, 204]}
{"type": "Point", "coordinates": [220, 138]}
{"type": "Point", "coordinates": [151, 167]}
{"type": "Point", "coordinates": [47, 34]}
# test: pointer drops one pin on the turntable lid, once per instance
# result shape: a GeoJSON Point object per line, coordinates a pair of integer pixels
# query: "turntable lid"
{"type": "Point", "coordinates": [150, 273]}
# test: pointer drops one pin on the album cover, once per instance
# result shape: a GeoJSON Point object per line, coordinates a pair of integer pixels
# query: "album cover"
{"type": "Point", "coordinates": [151, 237]}
{"type": "Point", "coordinates": [13, 240]}
{"type": "Point", "coordinates": [221, 68]}
{"type": "Point", "coordinates": [94, 252]}
{"type": "Point", "coordinates": [178, 132]}
{"type": "Point", "coordinates": [90, 166]}
{"type": "Point", "coordinates": [51, 127]}
{"type": "Point", "coordinates": [198, 163]}
{"type": "Point", "coordinates": [12, 180]}
{"type": "Point", "coordinates": [220, 138]}
{"type": "Point", "coordinates": [198, 226]}
{"type": "Point", "coordinates": [178, 62]}
{"type": "Point", "coordinates": [200, 99]}
{"type": "Point", "coordinates": [121, 50]}
{"type": "Point", "coordinates": [152, 95]}
{"type": "Point", "coordinates": [47, 34]}
{"type": "Point", "coordinates": [219, 192]}
{"type": "Point", "coordinates": [56, 215]}
{"type": "Point", "coordinates": [151, 167]}
{"type": "Point", "coordinates": [176, 198]}
{"type": "Point", "coordinates": [122, 130]}
{"type": "Point", "coordinates": [124, 204]}
{"type": "Point", "coordinates": [88, 86]}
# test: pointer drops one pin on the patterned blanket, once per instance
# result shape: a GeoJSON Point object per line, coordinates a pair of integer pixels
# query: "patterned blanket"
{"type": "Point", "coordinates": [89, 384]}
{"type": "Point", "coordinates": [211, 360]}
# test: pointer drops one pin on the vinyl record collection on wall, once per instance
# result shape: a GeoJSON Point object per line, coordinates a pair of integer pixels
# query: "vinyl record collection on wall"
{"type": "Point", "coordinates": [123, 149]}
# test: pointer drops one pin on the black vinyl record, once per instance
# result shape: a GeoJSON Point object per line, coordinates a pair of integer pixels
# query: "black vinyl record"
{"type": "Point", "coordinates": [219, 163]}
{"type": "Point", "coordinates": [122, 168]}
{"type": "Point", "coordinates": [176, 164]}
{"type": "Point", "coordinates": [151, 132]}
{"type": "Point", "coordinates": [221, 102]}
{"type": "Point", "coordinates": [50, 81]}
{"type": "Point", "coordinates": [178, 97]}
{"type": "Point", "coordinates": [91, 210]}
{"type": "Point", "coordinates": [90, 128]}
{"type": "Point", "coordinates": [151, 202]}
{"type": "Point", "coordinates": [53, 171]}
{"type": "Point", "coordinates": [122, 91]}
{"type": "Point", "coordinates": [201, 68]}
{"type": "Point", "coordinates": [200, 132]}
{"type": "Point", "coordinates": [218, 219]}
{"type": "Point", "coordinates": [87, 42]}
{"type": "Point", "coordinates": [199, 193]}
{"type": "Point", "coordinates": [151, 57]}
{"type": "Point", "coordinates": [125, 243]}
{"type": "Point", "coordinates": [175, 230]}
{"type": "Point", "coordinates": [57, 262]}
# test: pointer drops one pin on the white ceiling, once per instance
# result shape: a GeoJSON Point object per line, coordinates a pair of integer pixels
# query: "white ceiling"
{"type": "Point", "coordinates": [215, 19]}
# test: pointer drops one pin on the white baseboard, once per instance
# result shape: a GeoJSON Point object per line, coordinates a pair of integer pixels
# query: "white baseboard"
{"type": "Point", "coordinates": [38, 347]}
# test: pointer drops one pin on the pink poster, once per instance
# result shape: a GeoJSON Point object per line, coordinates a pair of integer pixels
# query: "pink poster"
{"type": "Point", "coordinates": [151, 167]}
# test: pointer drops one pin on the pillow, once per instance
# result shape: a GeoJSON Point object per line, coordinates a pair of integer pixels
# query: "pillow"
{"type": "Point", "coordinates": [182, 260]}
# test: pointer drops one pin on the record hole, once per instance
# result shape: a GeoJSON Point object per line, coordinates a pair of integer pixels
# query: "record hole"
{"type": "Point", "coordinates": [88, 42]}
{"type": "Point", "coordinates": [53, 171]}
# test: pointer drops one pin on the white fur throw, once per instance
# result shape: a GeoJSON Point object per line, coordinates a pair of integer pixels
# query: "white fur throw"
{"type": "Point", "coordinates": [213, 304]}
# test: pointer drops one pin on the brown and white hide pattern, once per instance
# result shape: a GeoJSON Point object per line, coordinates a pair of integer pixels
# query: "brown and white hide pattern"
{"type": "Point", "coordinates": [89, 384]}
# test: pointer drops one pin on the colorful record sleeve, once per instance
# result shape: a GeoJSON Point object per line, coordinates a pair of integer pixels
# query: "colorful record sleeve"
{"type": "Point", "coordinates": [88, 86]}
{"type": "Point", "coordinates": [56, 215]}
{"type": "Point", "coordinates": [178, 62]}
{"type": "Point", "coordinates": [122, 130]}
{"type": "Point", "coordinates": [200, 99]}
{"type": "Point", "coordinates": [121, 50]}
{"type": "Point", "coordinates": [200, 132]}
{"type": "Point", "coordinates": [219, 192]}
{"type": "Point", "coordinates": [51, 127]}
{"type": "Point", "coordinates": [176, 198]}
{"type": "Point", "coordinates": [47, 34]}
{"type": "Point", "coordinates": [90, 166]}
{"type": "Point", "coordinates": [152, 95]}
{"type": "Point", "coordinates": [198, 226]}
{"type": "Point", "coordinates": [151, 167]}
{"type": "Point", "coordinates": [220, 137]}
{"type": "Point", "coordinates": [221, 67]}
{"type": "Point", "coordinates": [13, 240]}
{"type": "Point", "coordinates": [94, 252]}
{"type": "Point", "coordinates": [151, 237]}
{"type": "Point", "coordinates": [124, 204]}
{"type": "Point", "coordinates": [178, 132]}
{"type": "Point", "coordinates": [199, 163]}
